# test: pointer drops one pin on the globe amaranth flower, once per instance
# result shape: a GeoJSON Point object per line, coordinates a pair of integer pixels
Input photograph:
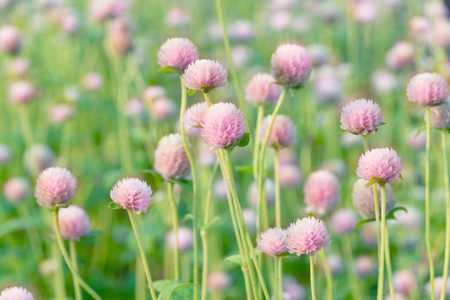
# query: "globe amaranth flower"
{"type": "Point", "coordinates": [21, 92]}
{"type": "Point", "coordinates": [283, 133]}
{"type": "Point", "coordinates": [219, 281]}
{"type": "Point", "coordinates": [290, 175]}
{"type": "Point", "coordinates": [321, 191]}
{"type": "Point", "coordinates": [272, 242]}
{"type": "Point", "coordinates": [194, 115]}
{"type": "Point", "coordinates": [291, 65]}
{"type": "Point", "coordinates": [38, 158]}
{"type": "Point", "coordinates": [16, 293]}
{"type": "Point", "coordinates": [269, 191]}
{"type": "Point", "coordinates": [132, 194]}
{"type": "Point", "coordinates": [404, 281]}
{"type": "Point", "coordinates": [343, 221]}
{"type": "Point", "coordinates": [205, 75]}
{"type": "Point", "coordinates": [177, 53]}
{"type": "Point", "coordinates": [223, 125]}
{"type": "Point", "coordinates": [262, 89]}
{"type": "Point", "coordinates": [10, 41]}
{"type": "Point", "coordinates": [185, 239]}
{"type": "Point", "coordinates": [73, 222]}
{"type": "Point", "coordinates": [440, 116]}
{"type": "Point", "coordinates": [171, 160]}
{"type": "Point", "coordinates": [306, 236]}
{"type": "Point", "coordinates": [361, 117]}
{"type": "Point", "coordinates": [427, 89]}
{"type": "Point", "coordinates": [55, 186]}
{"type": "Point", "coordinates": [363, 199]}
{"type": "Point", "coordinates": [16, 189]}
{"type": "Point", "coordinates": [381, 163]}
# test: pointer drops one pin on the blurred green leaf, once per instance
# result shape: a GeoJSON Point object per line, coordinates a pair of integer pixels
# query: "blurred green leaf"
{"type": "Point", "coordinates": [362, 222]}
{"type": "Point", "coordinates": [244, 169]}
{"type": "Point", "coordinates": [191, 92]}
{"type": "Point", "coordinates": [114, 205]}
{"type": "Point", "coordinates": [211, 223]}
{"type": "Point", "coordinates": [185, 184]}
{"type": "Point", "coordinates": [244, 140]}
{"type": "Point", "coordinates": [155, 174]}
{"type": "Point", "coordinates": [341, 131]}
{"type": "Point", "coordinates": [177, 294]}
{"type": "Point", "coordinates": [169, 70]}
{"type": "Point", "coordinates": [168, 290]}
{"type": "Point", "coordinates": [17, 224]}
{"type": "Point", "coordinates": [234, 258]}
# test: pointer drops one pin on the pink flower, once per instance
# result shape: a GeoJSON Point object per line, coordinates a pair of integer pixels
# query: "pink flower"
{"type": "Point", "coordinates": [252, 194]}
{"type": "Point", "coordinates": [283, 134]}
{"type": "Point", "coordinates": [55, 186]}
{"type": "Point", "coordinates": [427, 89]}
{"type": "Point", "coordinates": [417, 141]}
{"type": "Point", "coordinates": [205, 75]}
{"type": "Point", "coordinates": [10, 41]}
{"type": "Point", "coordinates": [38, 158]}
{"type": "Point", "coordinates": [307, 236]}
{"type": "Point", "coordinates": [365, 265]}
{"type": "Point", "coordinates": [440, 116]}
{"type": "Point", "coordinates": [365, 11]}
{"type": "Point", "coordinates": [219, 281]}
{"type": "Point", "coordinates": [400, 55]}
{"type": "Point", "coordinates": [363, 199]}
{"type": "Point", "coordinates": [73, 222]}
{"type": "Point", "coordinates": [223, 125]}
{"type": "Point", "coordinates": [290, 175]}
{"type": "Point", "coordinates": [194, 115]}
{"type": "Point", "coordinates": [321, 191]}
{"type": "Point", "coordinates": [61, 112]}
{"type": "Point", "coordinates": [241, 30]}
{"type": "Point", "coordinates": [177, 53]}
{"type": "Point", "coordinates": [134, 108]}
{"type": "Point", "coordinates": [177, 16]}
{"type": "Point", "coordinates": [343, 221]}
{"type": "Point", "coordinates": [163, 108]}
{"type": "Point", "coordinates": [292, 290]}
{"type": "Point", "coordinates": [272, 242]}
{"type": "Point", "coordinates": [5, 154]}
{"type": "Point", "coordinates": [92, 81]}
{"type": "Point", "coordinates": [16, 189]}
{"type": "Point", "coordinates": [16, 293]}
{"type": "Point", "coordinates": [438, 287]}
{"type": "Point", "coordinates": [171, 160]}
{"type": "Point", "coordinates": [336, 264]}
{"type": "Point", "coordinates": [185, 239]}
{"type": "Point", "coordinates": [361, 117]}
{"type": "Point", "coordinates": [19, 66]}
{"type": "Point", "coordinates": [381, 163]}
{"type": "Point", "coordinates": [21, 92]}
{"type": "Point", "coordinates": [132, 194]}
{"type": "Point", "coordinates": [291, 65]}
{"type": "Point", "coordinates": [262, 88]}
{"type": "Point", "coordinates": [383, 81]}
{"type": "Point", "coordinates": [404, 281]}
{"type": "Point", "coordinates": [118, 38]}
{"type": "Point", "coordinates": [152, 93]}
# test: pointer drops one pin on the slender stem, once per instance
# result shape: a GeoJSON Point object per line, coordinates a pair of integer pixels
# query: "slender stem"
{"type": "Point", "coordinates": [366, 145]}
{"type": "Point", "coordinates": [257, 139]}
{"type": "Point", "coordinates": [328, 275]}
{"type": "Point", "coordinates": [58, 276]}
{"type": "Point", "coordinates": [278, 284]}
{"type": "Point", "coordinates": [276, 172]}
{"type": "Point", "coordinates": [64, 253]}
{"type": "Point", "coordinates": [226, 43]}
{"type": "Point", "coordinates": [143, 257]}
{"type": "Point", "coordinates": [173, 207]}
{"type": "Point", "coordinates": [427, 202]}
{"type": "Point", "coordinates": [311, 267]}
{"type": "Point", "coordinates": [388, 264]}
{"type": "Point", "coordinates": [25, 125]}
{"type": "Point", "coordinates": [258, 268]}
{"type": "Point", "coordinates": [194, 184]}
{"type": "Point", "coordinates": [348, 256]}
{"type": "Point", "coordinates": [33, 235]}
{"type": "Point", "coordinates": [207, 100]}
{"type": "Point", "coordinates": [447, 214]}
{"type": "Point", "coordinates": [383, 225]}
{"type": "Point", "coordinates": [73, 256]}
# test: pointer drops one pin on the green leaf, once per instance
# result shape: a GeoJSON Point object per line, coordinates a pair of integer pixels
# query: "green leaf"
{"type": "Point", "coordinates": [168, 290]}
{"type": "Point", "coordinates": [374, 180]}
{"type": "Point", "coordinates": [186, 292]}
{"type": "Point", "coordinates": [155, 174]}
{"type": "Point", "coordinates": [448, 130]}
{"type": "Point", "coordinates": [362, 222]}
{"type": "Point", "coordinates": [211, 223]}
{"type": "Point", "coordinates": [207, 88]}
{"type": "Point", "coordinates": [244, 140]}
{"type": "Point", "coordinates": [383, 123]}
{"type": "Point", "coordinates": [16, 224]}
{"type": "Point", "coordinates": [114, 205]}
{"type": "Point", "coordinates": [244, 169]}
{"type": "Point", "coordinates": [287, 255]}
{"type": "Point", "coordinates": [400, 175]}
{"type": "Point", "coordinates": [187, 185]}
{"type": "Point", "coordinates": [169, 70]}
{"type": "Point", "coordinates": [234, 258]}
{"type": "Point", "coordinates": [191, 92]}
{"type": "Point", "coordinates": [421, 128]}
{"type": "Point", "coordinates": [341, 131]}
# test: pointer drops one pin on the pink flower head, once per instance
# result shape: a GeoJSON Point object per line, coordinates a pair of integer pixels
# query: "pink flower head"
{"type": "Point", "coordinates": [163, 108]}
{"type": "Point", "coordinates": [262, 89]}
{"type": "Point", "coordinates": [92, 81]}
{"type": "Point", "coordinates": [365, 11]}
{"type": "Point", "coordinates": [381, 163]}
{"type": "Point", "coordinates": [336, 264]}
{"type": "Point", "coordinates": [291, 65]}
{"type": "Point", "coordinates": [19, 66]}
{"type": "Point", "coordinates": [306, 236]}
{"type": "Point", "coordinates": [171, 160]}
{"type": "Point", "coordinates": [384, 81]}
{"type": "Point", "coordinates": [61, 112]}
{"type": "Point", "coordinates": [10, 41]}
{"type": "Point", "coordinates": [404, 281]}
{"type": "Point", "coordinates": [400, 55]}
{"type": "Point", "coordinates": [100, 10]}
{"type": "Point", "coordinates": [427, 89]}
{"type": "Point", "coordinates": [16, 189]}
{"type": "Point", "coordinates": [365, 265]}
{"type": "Point", "coordinates": [361, 117]}
{"type": "Point", "coordinates": [321, 191]}
{"type": "Point", "coordinates": [249, 219]}
{"type": "Point", "coordinates": [21, 92]}
{"type": "Point", "coordinates": [269, 187]}
{"type": "Point", "coordinates": [292, 290]}
{"type": "Point", "coordinates": [241, 30]}
{"type": "Point", "coordinates": [152, 93]}
{"type": "Point", "coordinates": [38, 158]}
{"type": "Point", "coordinates": [55, 186]}
{"type": "Point", "coordinates": [185, 239]}
{"type": "Point", "coordinates": [223, 126]}
{"type": "Point", "coordinates": [194, 115]}
{"type": "Point", "coordinates": [118, 39]}
{"type": "Point", "coordinates": [440, 116]}
{"type": "Point", "coordinates": [438, 287]}
{"type": "Point", "coordinates": [134, 108]}
{"type": "Point", "coordinates": [219, 281]}
{"type": "Point", "coordinates": [73, 222]}
{"type": "Point", "coordinates": [205, 75]}
{"type": "Point", "coordinates": [5, 154]}
{"type": "Point", "coordinates": [177, 16]}
{"type": "Point", "coordinates": [343, 221]}
{"type": "Point", "coordinates": [363, 199]}
{"type": "Point", "coordinates": [290, 175]}
{"type": "Point", "coordinates": [16, 293]}
{"type": "Point", "coordinates": [177, 53]}
{"type": "Point", "coordinates": [417, 141]}
{"type": "Point", "coordinates": [283, 134]}
{"type": "Point", "coordinates": [132, 194]}
{"type": "Point", "coordinates": [272, 242]}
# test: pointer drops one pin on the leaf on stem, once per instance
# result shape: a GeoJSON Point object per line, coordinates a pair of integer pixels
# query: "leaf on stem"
{"type": "Point", "coordinates": [155, 174]}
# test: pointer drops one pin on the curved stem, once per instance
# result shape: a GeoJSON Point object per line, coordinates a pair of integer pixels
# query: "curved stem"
{"type": "Point", "coordinates": [257, 139]}
{"type": "Point", "coordinates": [447, 214]}
{"type": "Point", "coordinates": [143, 257]}
{"type": "Point", "coordinates": [276, 172]}
{"type": "Point", "coordinates": [64, 253]}
{"type": "Point", "coordinates": [366, 145]}
{"type": "Point", "coordinates": [194, 184]}
{"type": "Point", "coordinates": [311, 267]}
{"type": "Point", "coordinates": [73, 256]}
{"type": "Point", "coordinates": [173, 207]}
{"type": "Point", "coordinates": [383, 225]}
{"type": "Point", "coordinates": [388, 264]}
{"type": "Point", "coordinates": [427, 202]}
{"type": "Point", "coordinates": [328, 275]}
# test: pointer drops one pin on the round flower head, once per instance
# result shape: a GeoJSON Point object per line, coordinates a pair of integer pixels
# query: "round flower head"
{"type": "Point", "coordinates": [185, 239]}
{"type": "Point", "coordinates": [19, 66]}
{"type": "Point", "coordinates": [163, 108]}
{"type": "Point", "coordinates": [262, 89]}
{"type": "Point", "coordinates": [134, 108]}
{"type": "Point", "coordinates": [132, 194]}
{"type": "Point", "coordinates": [152, 93]}
{"type": "Point", "coordinates": [249, 219]}
{"type": "Point", "coordinates": [343, 221]}
{"type": "Point", "coordinates": [21, 92]}
{"type": "Point", "coordinates": [223, 125]}
{"type": "Point", "coordinates": [171, 161]}
{"type": "Point", "coordinates": [363, 199]}
{"type": "Point", "coordinates": [16, 189]}
{"type": "Point", "coordinates": [292, 290]}
{"type": "Point", "coordinates": [73, 222]}
{"type": "Point", "coordinates": [118, 39]}
{"type": "Point", "coordinates": [361, 117]}
{"type": "Point", "coordinates": [55, 186]}
{"type": "Point", "coordinates": [205, 75]}
{"type": "Point", "coordinates": [16, 293]}
{"type": "Point", "coordinates": [440, 116]}
{"type": "Point", "coordinates": [438, 287]}
{"type": "Point", "coordinates": [400, 55]}
{"type": "Point", "coordinates": [381, 163]}
{"type": "Point", "coordinates": [365, 265]}
{"type": "Point", "coordinates": [5, 154]}
{"type": "Point", "coordinates": [38, 158]}
{"type": "Point", "coordinates": [269, 187]}
{"type": "Point", "coordinates": [336, 264]}
{"type": "Point", "coordinates": [306, 236]}
{"type": "Point", "coordinates": [283, 134]}
{"type": "Point", "coordinates": [427, 89]}
{"type": "Point", "coordinates": [321, 191]}
{"type": "Point", "coordinates": [290, 175]}
{"type": "Point", "coordinates": [10, 41]}
{"type": "Point", "coordinates": [194, 115]}
{"type": "Point", "coordinates": [417, 141]}
{"type": "Point", "coordinates": [61, 112]}
{"type": "Point", "coordinates": [404, 281]}
{"type": "Point", "coordinates": [272, 242]}
{"type": "Point", "coordinates": [219, 281]}
{"type": "Point", "coordinates": [291, 65]}
{"type": "Point", "coordinates": [92, 81]}
{"type": "Point", "coordinates": [177, 53]}
{"type": "Point", "coordinates": [384, 81]}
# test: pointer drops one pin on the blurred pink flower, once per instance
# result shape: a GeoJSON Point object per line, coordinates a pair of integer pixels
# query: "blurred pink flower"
{"type": "Point", "coordinates": [171, 160]}
{"type": "Point", "coordinates": [73, 222]}
{"type": "Point", "coordinates": [132, 194]}
{"type": "Point", "coordinates": [262, 88]}
{"type": "Point", "coordinates": [307, 236]}
{"type": "Point", "coordinates": [185, 239]}
{"type": "Point", "coordinates": [10, 40]}
{"type": "Point", "coordinates": [177, 53]}
{"type": "Point", "coordinates": [219, 281]}
{"type": "Point", "coordinates": [321, 192]}
{"type": "Point", "coordinates": [363, 199]}
{"type": "Point", "coordinates": [343, 221]}
{"type": "Point", "coordinates": [55, 186]}
{"type": "Point", "coordinates": [205, 75]}
{"type": "Point", "coordinates": [291, 65]}
{"type": "Point", "coordinates": [272, 242]}
{"type": "Point", "coordinates": [61, 112]}
{"type": "Point", "coordinates": [400, 55]}
{"type": "Point", "coordinates": [283, 134]}
{"type": "Point", "coordinates": [16, 189]}
{"type": "Point", "coordinates": [21, 92]}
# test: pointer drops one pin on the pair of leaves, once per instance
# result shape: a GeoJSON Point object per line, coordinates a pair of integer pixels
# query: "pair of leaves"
{"type": "Point", "coordinates": [343, 130]}
{"type": "Point", "coordinates": [389, 216]}
{"type": "Point", "coordinates": [242, 142]}
{"type": "Point", "coordinates": [169, 70]}
{"type": "Point", "coordinates": [171, 289]}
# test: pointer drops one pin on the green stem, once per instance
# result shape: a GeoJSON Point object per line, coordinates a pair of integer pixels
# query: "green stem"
{"type": "Point", "coordinates": [383, 239]}
{"type": "Point", "coordinates": [173, 207]}
{"type": "Point", "coordinates": [427, 202]}
{"type": "Point", "coordinates": [328, 275]}
{"type": "Point", "coordinates": [348, 256]}
{"type": "Point", "coordinates": [73, 256]}
{"type": "Point", "coordinates": [207, 100]}
{"type": "Point", "coordinates": [257, 139]}
{"type": "Point", "coordinates": [33, 235]}
{"type": "Point", "coordinates": [278, 284]}
{"type": "Point", "coordinates": [25, 125]}
{"type": "Point", "coordinates": [58, 276]}
{"type": "Point", "coordinates": [143, 257]}
{"type": "Point", "coordinates": [388, 264]}
{"type": "Point", "coordinates": [276, 172]}
{"type": "Point", "coordinates": [311, 267]}
{"type": "Point", "coordinates": [194, 184]}
{"type": "Point", "coordinates": [447, 214]}
{"type": "Point", "coordinates": [366, 145]}
{"type": "Point", "coordinates": [64, 253]}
